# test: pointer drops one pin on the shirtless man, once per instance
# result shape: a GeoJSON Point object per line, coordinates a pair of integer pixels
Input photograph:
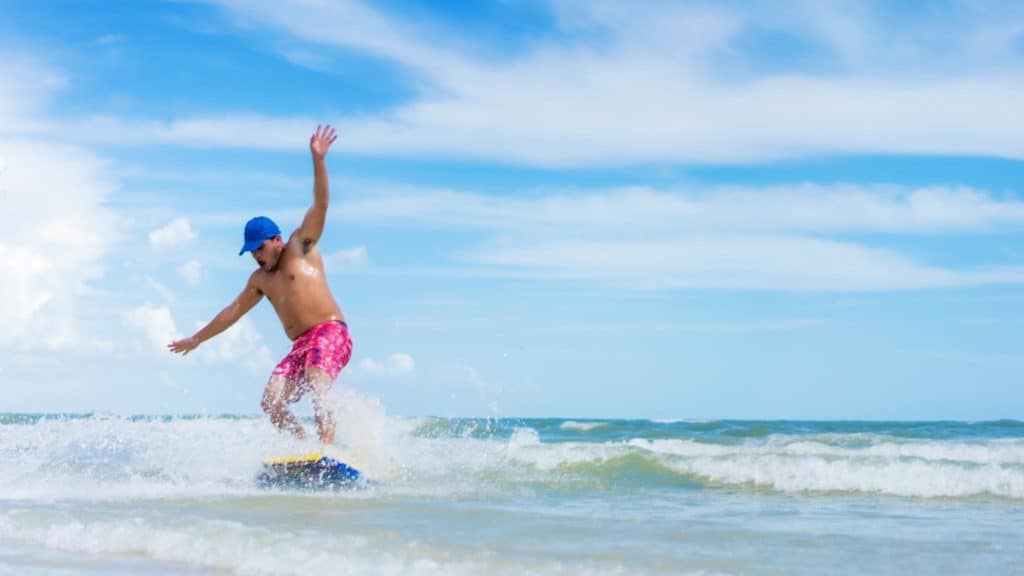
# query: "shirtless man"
{"type": "Point", "coordinates": [291, 276]}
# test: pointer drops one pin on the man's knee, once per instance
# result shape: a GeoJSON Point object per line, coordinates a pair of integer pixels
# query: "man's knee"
{"type": "Point", "coordinates": [318, 380]}
{"type": "Point", "coordinates": [269, 404]}
{"type": "Point", "coordinates": [273, 397]}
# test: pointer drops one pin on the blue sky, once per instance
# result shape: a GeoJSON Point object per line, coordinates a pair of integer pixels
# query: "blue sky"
{"type": "Point", "coordinates": [539, 208]}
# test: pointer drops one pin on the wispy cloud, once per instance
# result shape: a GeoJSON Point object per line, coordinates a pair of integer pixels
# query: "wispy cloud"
{"type": "Point", "coordinates": [233, 130]}
{"type": "Point", "coordinates": [741, 263]}
{"type": "Point", "coordinates": [154, 323]}
{"type": "Point", "coordinates": [349, 258]}
{"type": "Point", "coordinates": [27, 86]}
{"type": "Point", "coordinates": [191, 271]}
{"type": "Point", "coordinates": [166, 293]}
{"type": "Point", "coordinates": [398, 364]}
{"type": "Point", "coordinates": [651, 82]}
{"type": "Point", "coordinates": [721, 239]}
{"type": "Point", "coordinates": [803, 237]}
{"type": "Point", "coordinates": [240, 343]}
{"type": "Point", "coordinates": [812, 208]}
{"type": "Point", "coordinates": [660, 82]}
{"type": "Point", "coordinates": [348, 24]}
{"type": "Point", "coordinates": [177, 232]}
{"type": "Point", "coordinates": [107, 40]}
{"type": "Point", "coordinates": [802, 207]}
{"type": "Point", "coordinates": [58, 230]}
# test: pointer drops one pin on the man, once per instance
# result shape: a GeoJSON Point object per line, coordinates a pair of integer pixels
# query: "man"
{"type": "Point", "coordinates": [291, 275]}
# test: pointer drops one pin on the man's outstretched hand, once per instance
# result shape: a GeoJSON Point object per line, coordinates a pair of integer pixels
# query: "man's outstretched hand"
{"type": "Point", "coordinates": [183, 346]}
{"type": "Point", "coordinates": [321, 141]}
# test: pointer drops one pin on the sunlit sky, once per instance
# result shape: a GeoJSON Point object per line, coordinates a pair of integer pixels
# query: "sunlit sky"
{"type": "Point", "coordinates": [539, 207]}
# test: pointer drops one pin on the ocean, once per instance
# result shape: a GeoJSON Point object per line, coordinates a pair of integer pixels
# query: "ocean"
{"type": "Point", "coordinates": [113, 494]}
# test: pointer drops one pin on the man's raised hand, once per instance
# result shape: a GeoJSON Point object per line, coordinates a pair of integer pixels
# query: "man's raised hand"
{"type": "Point", "coordinates": [320, 142]}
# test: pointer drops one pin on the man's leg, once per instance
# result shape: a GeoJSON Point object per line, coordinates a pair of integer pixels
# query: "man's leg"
{"type": "Point", "coordinates": [275, 404]}
{"type": "Point", "coordinates": [319, 385]}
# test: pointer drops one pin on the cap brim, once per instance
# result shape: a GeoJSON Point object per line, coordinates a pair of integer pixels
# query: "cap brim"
{"type": "Point", "coordinates": [249, 247]}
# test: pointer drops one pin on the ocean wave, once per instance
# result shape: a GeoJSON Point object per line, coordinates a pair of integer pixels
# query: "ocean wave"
{"type": "Point", "coordinates": [996, 451]}
{"type": "Point", "coordinates": [582, 426]}
{"type": "Point", "coordinates": [233, 547]}
{"type": "Point", "coordinates": [929, 470]}
{"type": "Point", "coordinates": [115, 458]}
{"type": "Point", "coordinates": [888, 476]}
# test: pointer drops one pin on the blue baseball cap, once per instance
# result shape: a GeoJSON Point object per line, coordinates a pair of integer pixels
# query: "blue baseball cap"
{"type": "Point", "coordinates": [256, 231]}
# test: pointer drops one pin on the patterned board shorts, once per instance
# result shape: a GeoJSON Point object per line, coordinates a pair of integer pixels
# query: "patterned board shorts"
{"type": "Point", "coordinates": [326, 346]}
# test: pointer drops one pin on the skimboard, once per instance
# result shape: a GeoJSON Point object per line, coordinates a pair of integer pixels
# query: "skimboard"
{"type": "Point", "coordinates": [308, 472]}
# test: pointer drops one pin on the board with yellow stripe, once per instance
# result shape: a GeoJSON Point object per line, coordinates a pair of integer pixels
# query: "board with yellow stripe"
{"type": "Point", "coordinates": [307, 472]}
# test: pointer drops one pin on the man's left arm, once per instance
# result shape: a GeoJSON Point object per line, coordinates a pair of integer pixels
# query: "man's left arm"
{"type": "Point", "coordinates": [313, 224]}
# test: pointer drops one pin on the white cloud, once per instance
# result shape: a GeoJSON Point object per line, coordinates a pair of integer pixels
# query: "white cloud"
{"type": "Point", "coordinates": [58, 232]}
{"type": "Point", "coordinates": [787, 263]}
{"type": "Point", "coordinates": [401, 363]}
{"type": "Point", "coordinates": [471, 376]}
{"type": "Point", "coordinates": [191, 271]}
{"type": "Point", "coordinates": [177, 232]}
{"type": "Point", "coordinates": [398, 364]}
{"type": "Point", "coordinates": [651, 82]}
{"type": "Point", "coordinates": [155, 323]}
{"type": "Point", "coordinates": [349, 258]}
{"type": "Point", "coordinates": [107, 40]}
{"type": "Point", "coordinates": [167, 380]}
{"type": "Point", "coordinates": [788, 237]}
{"type": "Point", "coordinates": [24, 295]}
{"type": "Point", "coordinates": [165, 292]}
{"type": "Point", "coordinates": [230, 131]}
{"type": "Point", "coordinates": [349, 24]}
{"type": "Point", "coordinates": [58, 226]}
{"type": "Point", "coordinates": [840, 208]}
{"type": "Point", "coordinates": [26, 87]}
{"type": "Point", "coordinates": [240, 343]}
{"type": "Point", "coordinates": [717, 238]}
{"type": "Point", "coordinates": [660, 82]}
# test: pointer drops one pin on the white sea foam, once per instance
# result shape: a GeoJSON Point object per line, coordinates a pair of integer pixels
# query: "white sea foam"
{"type": "Point", "coordinates": [119, 457]}
{"type": "Point", "coordinates": [920, 469]}
{"type": "Point", "coordinates": [235, 548]}
{"type": "Point", "coordinates": [177, 493]}
{"type": "Point", "coordinates": [111, 458]}
{"type": "Point", "coordinates": [900, 478]}
{"type": "Point", "coordinates": [238, 548]}
{"type": "Point", "coordinates": [546, 457]}
{"type": "Point", "coordinates": [582, 426]}
{"type": "Point", "coordinates": [371, 438]}
{"type": "Point", "coordinates": [997, 451]}
{"type": "Point", "coordinates": [911, 468]}
{"type": "Point", "coordinates": [523, 437]}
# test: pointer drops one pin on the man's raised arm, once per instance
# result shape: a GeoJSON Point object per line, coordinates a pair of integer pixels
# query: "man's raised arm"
{"type": "Point", "coordinates": [249, 297]}
{"type": "Point", "coordinates": [313, 224]}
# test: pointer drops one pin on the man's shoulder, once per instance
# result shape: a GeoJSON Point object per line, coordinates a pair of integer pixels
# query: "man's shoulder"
{"type": "Point", "coordinates": [256, 278]}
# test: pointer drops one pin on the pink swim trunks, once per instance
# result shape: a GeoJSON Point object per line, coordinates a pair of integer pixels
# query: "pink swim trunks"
{"type": "Point", "coordinates": [327, 346]}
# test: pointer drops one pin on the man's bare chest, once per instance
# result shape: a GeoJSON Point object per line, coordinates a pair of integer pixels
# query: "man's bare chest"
{"type": "Point", "coordinates": [291, 277]}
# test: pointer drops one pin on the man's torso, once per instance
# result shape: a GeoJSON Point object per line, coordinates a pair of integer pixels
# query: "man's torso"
{"type": "Point", "coordinates": [298, 290]}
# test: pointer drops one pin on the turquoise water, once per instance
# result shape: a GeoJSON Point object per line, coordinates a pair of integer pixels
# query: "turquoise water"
{"type": "Point", "coordinates": [156, 495]}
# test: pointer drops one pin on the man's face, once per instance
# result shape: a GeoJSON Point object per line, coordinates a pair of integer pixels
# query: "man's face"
{"type": "Point", "coordinates": [268, 253]}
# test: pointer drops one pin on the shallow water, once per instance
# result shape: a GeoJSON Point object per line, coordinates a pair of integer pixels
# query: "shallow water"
{"type": "Point", "coordinates": [154, 495]}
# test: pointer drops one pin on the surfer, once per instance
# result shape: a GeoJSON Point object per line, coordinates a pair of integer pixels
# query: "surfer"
{"type": "Point", "coordinates": [291, 275]}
